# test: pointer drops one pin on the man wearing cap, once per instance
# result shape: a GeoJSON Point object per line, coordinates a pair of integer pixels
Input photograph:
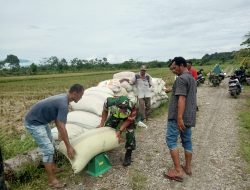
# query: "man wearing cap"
{"type": "Point", "coordinates": [122, 117]}
{"type": "Point", "coordinates": [144, 85]}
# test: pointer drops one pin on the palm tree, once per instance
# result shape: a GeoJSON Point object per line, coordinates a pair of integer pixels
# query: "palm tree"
{"type": "Point", "coordinates": [247, 41]}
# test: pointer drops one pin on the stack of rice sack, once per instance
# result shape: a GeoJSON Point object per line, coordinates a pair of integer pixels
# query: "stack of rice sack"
{"type": "Point", "coordinates": [159, 95]}
{"type": "Point", "coordinates": [125, 88]}
{"type": "Point", "coordinates": [87, 140]}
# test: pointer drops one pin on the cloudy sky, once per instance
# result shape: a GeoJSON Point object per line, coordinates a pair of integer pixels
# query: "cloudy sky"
{"type": "Point", "coordinates": [121, 29]}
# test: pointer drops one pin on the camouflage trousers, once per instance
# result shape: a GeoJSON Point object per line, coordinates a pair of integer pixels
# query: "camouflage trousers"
{"type": "Point", "coordinates": [115, 123]}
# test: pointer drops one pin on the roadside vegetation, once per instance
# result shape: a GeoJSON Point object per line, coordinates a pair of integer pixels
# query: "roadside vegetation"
{"type": "Point", "coordinates": [245, 126]}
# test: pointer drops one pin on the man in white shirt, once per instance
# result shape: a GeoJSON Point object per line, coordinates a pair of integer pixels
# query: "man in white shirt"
{"type": "Point", "coordinates": [144, 84]}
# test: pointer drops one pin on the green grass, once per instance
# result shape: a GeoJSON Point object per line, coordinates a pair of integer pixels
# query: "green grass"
{"type": "Point", "coordinates": [138, 180]}
{"type": "Point", "coordinates": [244, 117]}
{"type": "Point", "coordinates": [162, 109]}
{"type": "Point", "coordinates": [29, 177]}
{"type": "Point", "coordinates": [16, 144]}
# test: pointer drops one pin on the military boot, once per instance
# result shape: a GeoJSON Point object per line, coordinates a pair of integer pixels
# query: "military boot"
{"type": "Point", "coordinates": [127, 159]}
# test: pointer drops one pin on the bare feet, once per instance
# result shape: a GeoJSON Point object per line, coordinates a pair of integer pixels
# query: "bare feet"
{"type": "Point", "coordinates": [186, 170]}
{"type": "Point", "coordinates": [55, 184]}
{"type": "Point", "coordinates": [172, 174]}
{"type": "Point", "coordinates": [58, 170]}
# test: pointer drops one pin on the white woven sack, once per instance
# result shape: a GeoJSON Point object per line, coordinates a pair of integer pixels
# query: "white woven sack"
{"type": "Point", "coordinates": [114, 85]}
{"type": "Point", "coordinates": [89, 145]}
{"type": "Point", "coordinates": [73, 131]}
{"type": "Point", "coordinates": [159, 84]}
{"type": "Point", "coordinates": [89, 103]}
{"type": "Point", "coordinates": [153, 100]}
{"type": "Point", "coordinates": [158, 103]}
{"type": "Point", "coordinates": [99, 94]}
{"type": "Point", "coordinates": [84, 119]}
{"type": "Point", "coordinates": [102, 83]}
{"type": "Point", "coordinates": [124, 75]}
{"type": "Point", "coordinates": [122, 92]}
{"type": "Point", "coordinates": [127, 86]}
{"type": "Point", "coordinates": [101, 89]}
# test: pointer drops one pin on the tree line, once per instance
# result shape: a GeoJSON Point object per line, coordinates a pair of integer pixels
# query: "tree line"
{"type": "Point", "coordinates": [11, 65]}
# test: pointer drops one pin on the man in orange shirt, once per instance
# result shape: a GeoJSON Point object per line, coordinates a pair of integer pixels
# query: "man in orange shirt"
{"type": "Point", "coordinates": [194, 73]}
{"type": "Point", "coordinates": [192, 70]}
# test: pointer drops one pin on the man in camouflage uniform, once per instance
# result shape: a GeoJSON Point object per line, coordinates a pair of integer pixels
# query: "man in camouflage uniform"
{"type": "Point", "coordinates": [122, 117]}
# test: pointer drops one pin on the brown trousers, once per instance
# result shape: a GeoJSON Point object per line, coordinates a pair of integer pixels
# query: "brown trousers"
{"type": "Point", "coordinates": [144, 107]}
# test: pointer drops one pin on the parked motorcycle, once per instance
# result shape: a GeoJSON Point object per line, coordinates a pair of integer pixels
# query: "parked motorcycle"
{"type": "Point", "coordinates": [216, 79]}
{"type": "Point", "coordinates": [200, 77]}
{"type": "Point", "coordinates": [241, 75]}
{"type": "Point", "coordinates": [234, 86]}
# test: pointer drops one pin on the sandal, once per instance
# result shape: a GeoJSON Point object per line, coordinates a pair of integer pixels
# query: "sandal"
{"type": "Point", "coordinates": [185, 170]}
{"type": "Point", "coordinates": [57, 185]}
{"type": "Point", "coordinates": [171, 174]}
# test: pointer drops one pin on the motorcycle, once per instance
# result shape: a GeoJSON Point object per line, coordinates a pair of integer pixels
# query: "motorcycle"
{"type": "Point", "coordinates": [216, 79]}
{"type": "Point", "coordinates": [200, 77]}
{"type": "Point", "coordinates": [234, 86]}
{"type": "Point", "coordinates": [241, 75]}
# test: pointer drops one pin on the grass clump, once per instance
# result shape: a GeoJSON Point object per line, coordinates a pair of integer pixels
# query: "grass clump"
{"type": "Point", "coordinates": [138, 180]}
{"type": "Point", "coordinates": [245, 128]}
{"type": "Point", "coordinates": [162, 109]}
{"type": "Point", "coordinates": [17, 145]}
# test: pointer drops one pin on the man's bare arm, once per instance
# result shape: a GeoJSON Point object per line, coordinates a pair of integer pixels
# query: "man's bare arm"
{"type": "Point", "coordinates": [64, 136]}
{"type": "Point", "coordinates": [181, 109]}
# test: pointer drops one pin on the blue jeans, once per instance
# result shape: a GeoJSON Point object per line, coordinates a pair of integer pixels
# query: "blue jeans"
{"type": "Point", "coordinates": [43, 137]}
{"type": "Point", "coordinates": [172, 134]}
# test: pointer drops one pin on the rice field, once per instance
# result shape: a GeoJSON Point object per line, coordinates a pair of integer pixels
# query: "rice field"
{"type": "Point", "coordinates": [18, 94]}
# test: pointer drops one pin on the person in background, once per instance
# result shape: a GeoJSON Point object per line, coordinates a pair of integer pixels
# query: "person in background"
{"type": "Point", "coordinates": [181, 118]}
{"type": "Point", "coordinates": [144, 85]}
{"type": "Point", "coordinates": [192, 70]}
{"type": "Point", "coordinates": [217, 70]}
{"type": "Point", "coordinates": [171, 68]}
{"type": "Point", "coordinates": [37, 120]}
{"type": "Point", "coordinates": [194, 73]}
{"type": "Point", "coordinates": [122, 117]}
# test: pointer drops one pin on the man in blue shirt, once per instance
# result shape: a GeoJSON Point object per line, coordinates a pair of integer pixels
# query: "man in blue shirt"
{"type": "Point", "coordinates": [52, 109]}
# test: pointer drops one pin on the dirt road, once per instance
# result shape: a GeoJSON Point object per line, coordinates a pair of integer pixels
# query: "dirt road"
{"type": "Point", "coordinates": [217, 163]}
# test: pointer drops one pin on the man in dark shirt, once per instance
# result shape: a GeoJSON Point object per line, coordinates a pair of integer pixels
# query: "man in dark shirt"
{"type": "Point", "coordinates": [52, 109]}
{"type": "Point", "coordinates": [181, 117]}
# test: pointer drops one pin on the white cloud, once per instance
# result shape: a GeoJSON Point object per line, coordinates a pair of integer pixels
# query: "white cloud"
{"type": "Point", "coordinates": [121, 29]}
